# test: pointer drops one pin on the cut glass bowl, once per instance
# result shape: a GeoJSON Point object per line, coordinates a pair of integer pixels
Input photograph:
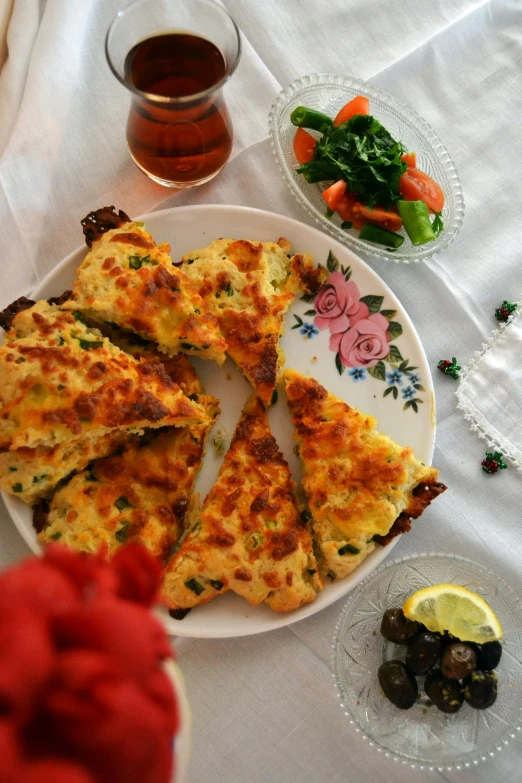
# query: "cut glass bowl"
{"type": "Point", "coordinates": [423, 736]}
{"type": "Point", "coordinates": [328, 93]}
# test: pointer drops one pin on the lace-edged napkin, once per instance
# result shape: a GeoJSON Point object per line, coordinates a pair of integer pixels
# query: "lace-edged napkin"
{"type": "Point", "coordinates": [490, 390]}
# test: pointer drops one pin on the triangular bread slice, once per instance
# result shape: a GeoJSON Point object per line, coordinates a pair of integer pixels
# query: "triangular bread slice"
{"type": "Point", "coordinates": [249, 286]}
{"type": "Point", "coordinates": [32, 474]}
{"type": "Point", "coordinates": [250, 537]}
{"type": "Point", "coordinates": [359, 483]}
{"type": "Point", "coordinates": [144, 492]}
{"type": "Point", "coordinates": [128, 280]}
{"type": "Point", "coordinates": [64, 380]}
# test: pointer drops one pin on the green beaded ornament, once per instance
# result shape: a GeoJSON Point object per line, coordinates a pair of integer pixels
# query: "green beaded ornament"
{"type": "Point", "coordinates": [449, 368]}
{"type": "Point", "coordinates": [493, 462]}
{"type": "Point", "coordinates": [506, 309]}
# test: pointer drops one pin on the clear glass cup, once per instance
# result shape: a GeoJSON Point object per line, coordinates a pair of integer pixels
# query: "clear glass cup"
{"type": "Point", "coordinates": [179, 130]}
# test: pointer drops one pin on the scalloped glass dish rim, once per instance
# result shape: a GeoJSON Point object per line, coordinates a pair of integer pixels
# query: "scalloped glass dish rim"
{"type": "Point", "coordinates": [512, 732]}
{"type": "Point", "coordinates": [421, 253]}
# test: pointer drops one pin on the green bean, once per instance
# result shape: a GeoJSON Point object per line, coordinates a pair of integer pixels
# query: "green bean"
{"type": "Point", "coordinates": [309, 118]}
{"type": "Point", "coordinates": [416, 221]}
{"type": "Point", "coordinates": [380, 235]}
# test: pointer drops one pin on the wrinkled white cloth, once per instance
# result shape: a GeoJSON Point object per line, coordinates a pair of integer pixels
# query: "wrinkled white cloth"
{"type": "Point", "coordinates": [265, 710]}
{"type": "Point", "coordinates": [490, 391]}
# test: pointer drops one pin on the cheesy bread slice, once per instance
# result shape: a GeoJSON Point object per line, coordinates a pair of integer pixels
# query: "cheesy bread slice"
{"type": "Point", "coordinates": [32, 474]}
{"type": "Point", "coordinates": [128, 280]}
{"type": "Point", "coordinates": [249, 286]}
{"type": "Point", "coordinates": [361, 486]}
{"type": "Point", "coordinates": [144, 492]}
{"type": "Point", "coordinates": [64, 380]}
{"type": "Point", "coordinates": [250, 537]}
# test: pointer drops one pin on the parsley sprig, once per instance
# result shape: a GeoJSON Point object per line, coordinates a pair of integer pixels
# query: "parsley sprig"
{"type": "Point", "coordinates": [365, 155]}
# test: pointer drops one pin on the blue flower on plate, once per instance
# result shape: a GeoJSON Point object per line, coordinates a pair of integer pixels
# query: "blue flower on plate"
{"type": "Point", "coordinates": [357, 373]}
{"type": "Point", "coordinates": [394, 377]}
{"type": "Point", "coordinates": [408, 393]}
{"type": "Point", "coordinates": [308, 330]}
{"type": "Point", "coordinates": [415, 378]}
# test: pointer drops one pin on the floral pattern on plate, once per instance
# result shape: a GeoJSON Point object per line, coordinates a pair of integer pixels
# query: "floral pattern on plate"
{"type": "Point", "coordinates": [362, 335]}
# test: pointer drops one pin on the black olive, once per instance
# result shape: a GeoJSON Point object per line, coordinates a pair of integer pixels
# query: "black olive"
{"type": "Point", "coordinates": [480, 689]}
{"type": "Point", "coordinates": [445, 694]}
{"type": "Point", "coordinates": [398, 684]}
{"type": "Point", "coordinates": [423, 652]}
{"type": "Point", "coordinates": [458, 661]}
{"type": "Point", "coordinates": [488, 655]}
{"type": "Point", "coordinates": [397, 628]}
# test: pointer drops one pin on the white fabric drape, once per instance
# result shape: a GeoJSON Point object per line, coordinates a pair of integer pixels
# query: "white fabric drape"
{"type": "Point", "coordinates": [490, 392]}
{"type": "Point", "coordinates": [265, 710]}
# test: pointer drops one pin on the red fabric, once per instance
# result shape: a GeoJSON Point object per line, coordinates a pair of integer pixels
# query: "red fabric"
{"type": "Point", "coordinates": [55, 771]}
{"type": "Point", "coordinates": [91, 574]}
{"type": "Point", "coordinates": [26, 662]}
{"type": "Point", "coordinates": [125, 632]}
{"type": "Point", "coordinates": [139, 574]}
{"type": "Point", "coordinates": [83, 694]}
{"type": "Point", "coordinates": [39, 586]}
{"type": "Point", "coordinates": [111, 723]}
{"type": "Point", "coordinates": [9, 752]}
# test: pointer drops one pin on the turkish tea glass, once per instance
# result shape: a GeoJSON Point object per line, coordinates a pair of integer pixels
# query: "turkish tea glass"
{"type": "Point", "coordinates": [179, 130]}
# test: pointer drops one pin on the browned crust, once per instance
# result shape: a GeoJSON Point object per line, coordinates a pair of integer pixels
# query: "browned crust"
{"type": "Point", "coordinates": [8, 315]}
{"type": "Point", "coordinates": [40, 515]}
{"type": "Point", "coordinates": [132, 238]}
{"type": "Point", "coordinates": [18, 306]}
{"type": "Point", "coordinates": [97, 223]}
{"type": "Point", "coordinates": [59, 300]}
{"type": "Point", "coordinates": [422, 496]}
{"type": "Point", "coordinates": [310, 277]}
{"type": "Point", "coordinates": [264, 448]}
{"type": "Point", "coordinates": [401, 525]}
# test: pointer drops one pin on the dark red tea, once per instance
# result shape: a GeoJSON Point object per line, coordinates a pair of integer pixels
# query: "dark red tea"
{"type": "Point", "coordinates": [182, 142]}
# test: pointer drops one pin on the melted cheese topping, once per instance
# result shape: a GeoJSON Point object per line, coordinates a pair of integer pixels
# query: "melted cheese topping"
{"type": "Point", "coordinates": [32, 474]}
{"type": "Point", "coordinates": [250, 537]}
{"type": "Point", "coordinates": [249, 286]}
{"type": "Point", "coordinates": [145, 493]}
{"type": "Point", "coordinates": [357, 480]}
{"type": "Point", "coordinates": [128, 280]}
{"type": "Point", "coordinates": [64, 380]}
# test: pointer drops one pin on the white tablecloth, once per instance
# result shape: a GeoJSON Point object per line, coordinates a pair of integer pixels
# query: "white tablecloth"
{"type": "Point", "coordinates": [265, 710]}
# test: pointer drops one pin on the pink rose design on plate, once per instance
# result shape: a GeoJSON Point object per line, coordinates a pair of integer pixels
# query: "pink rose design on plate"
{"type": "Point", "coordinates": [336, 302]}
{"type": "Point", "coordinates": [365, 342]}
{"type": "Point", "coordinates": [361, 335]}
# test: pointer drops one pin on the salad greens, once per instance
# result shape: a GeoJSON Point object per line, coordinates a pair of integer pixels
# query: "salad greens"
{"type": "Point", "coordinates": [365, 155]}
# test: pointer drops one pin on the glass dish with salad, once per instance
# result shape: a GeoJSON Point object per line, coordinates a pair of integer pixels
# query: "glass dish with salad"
{"type": "Point", "coordinates": [367, 167]}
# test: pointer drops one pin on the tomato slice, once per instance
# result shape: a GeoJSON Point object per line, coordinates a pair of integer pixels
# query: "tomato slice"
{"type": "Point", "coordinates": [358, 105]}
{"type": "Point", "coordinates": [415, 185]}
{"type": "Point", "coordinates": [334, 193]}
{"type": "Point", "coordinates": [379, 216]}
{"type": "Point", "coordinates": [304, 146]}
{"type": "Point", "coordinates": [345, 209]}
{"type": "Point", "coordinates": [411, 159]}
{"type": "Point", "coordinates": [350, 209]}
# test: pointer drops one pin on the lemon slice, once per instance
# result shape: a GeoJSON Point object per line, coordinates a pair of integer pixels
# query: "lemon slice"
{"type": "Point", "coordinates": [454, 609]}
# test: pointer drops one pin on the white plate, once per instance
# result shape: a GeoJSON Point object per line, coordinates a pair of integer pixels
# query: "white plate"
{"type": "Point", "coordinates": [188, 228]}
